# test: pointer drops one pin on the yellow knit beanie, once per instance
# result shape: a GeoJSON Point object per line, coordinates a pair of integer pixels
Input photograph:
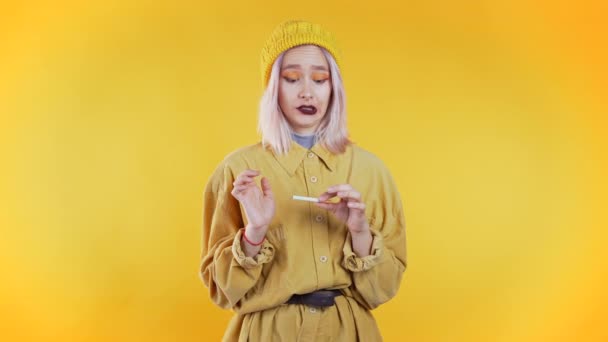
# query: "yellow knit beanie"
{"type": "Point", "coordinates": [292, 33]}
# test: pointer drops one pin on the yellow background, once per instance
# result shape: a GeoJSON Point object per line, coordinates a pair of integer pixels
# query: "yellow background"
{"type": "Point", "coordinates": [491, 115]}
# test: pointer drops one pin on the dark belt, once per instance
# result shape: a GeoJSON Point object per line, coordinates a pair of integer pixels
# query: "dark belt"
{"type": "Point", "coordinates": [319, 298]}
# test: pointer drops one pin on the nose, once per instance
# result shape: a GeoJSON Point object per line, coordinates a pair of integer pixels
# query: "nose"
{"type": "Point", "coordinates": [305, 92]}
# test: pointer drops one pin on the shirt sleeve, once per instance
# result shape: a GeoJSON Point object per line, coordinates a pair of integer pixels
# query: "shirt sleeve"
{"type": "Point", "coordinates": [354, 263]}
{"type": "Point", "coordinates": [377, 277]}
{"type": "Point", "coordinates": [224, 268]}
{"type": "Point", "coordinates": [264, 256]}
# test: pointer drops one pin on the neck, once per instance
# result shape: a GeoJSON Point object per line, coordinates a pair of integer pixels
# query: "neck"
{"type": "Point", "coordinates": [304, 140]}
{"type": "Point", "coordinates": [304, 133]}
{"type": "Point", "coordinates": [308, 134]}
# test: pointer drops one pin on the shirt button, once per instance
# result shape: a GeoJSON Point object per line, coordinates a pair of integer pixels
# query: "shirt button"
{"type": "Point", "coordinates": [311, 155]}
{"type": "Point", "coordinates": [313, 179]}
{"type": "Point", "coordinates": [323, 258]}
{"type": "Point", "coordinates": [312, 310]}
{"type": "Point", "coordinates": [319, 218]}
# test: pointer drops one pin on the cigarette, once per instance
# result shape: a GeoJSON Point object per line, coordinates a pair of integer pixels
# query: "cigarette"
{"type": "Point", "coordinates": [304, 198]}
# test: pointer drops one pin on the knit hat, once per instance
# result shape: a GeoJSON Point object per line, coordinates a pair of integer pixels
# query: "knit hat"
{"type": "Point", "coordinates": [290, 34]}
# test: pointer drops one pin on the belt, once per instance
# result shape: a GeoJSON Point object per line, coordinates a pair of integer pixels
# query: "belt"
{"type": "Point", "coordinates": [319, 298]}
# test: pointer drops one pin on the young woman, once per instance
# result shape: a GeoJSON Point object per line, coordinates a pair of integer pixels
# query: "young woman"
{"type": "Point", "coordinates": [296, 270]}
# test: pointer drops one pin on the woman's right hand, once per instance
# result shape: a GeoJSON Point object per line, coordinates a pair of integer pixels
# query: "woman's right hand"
{"type": "Point", "coordinates": [258, 203]}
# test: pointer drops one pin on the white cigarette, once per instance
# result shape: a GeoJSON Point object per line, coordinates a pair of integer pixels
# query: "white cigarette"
{"type": "Point", "coordinates": [304, 198]}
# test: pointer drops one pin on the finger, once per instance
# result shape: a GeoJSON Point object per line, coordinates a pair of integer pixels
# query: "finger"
{"type": "Point", "coordinates": [266, 189]}
{"type": "Point", "coordinates": [340, 187]}
{"type": "Point", "coordinates": [328, 198]}
{"type": "Point", "coordinates": [235, 194]}
{"type": "Point", "coordinates": [351, 195]}
{"type": "Point", "coordinates": [328, 206]}
{"type": "Point", "coordinates": [333, 191]}
{"type": "Point", "coordinates": [241, 188]}
{"type": "Point", "coordinates": [248, 173]}
{"type": "Point", "coordinates": [241, 181]}
{"type": "Point", "coordinates": [356, 205]}
{"type": "Point", "coordinates": [325, 196]}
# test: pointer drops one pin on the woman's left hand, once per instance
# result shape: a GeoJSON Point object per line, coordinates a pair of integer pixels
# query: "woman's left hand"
{"type": "Point", "coordinates": [350, 210]}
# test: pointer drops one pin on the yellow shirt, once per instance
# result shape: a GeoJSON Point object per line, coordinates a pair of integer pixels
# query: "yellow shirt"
{"type": "Point", "coordinates": [306, 248]}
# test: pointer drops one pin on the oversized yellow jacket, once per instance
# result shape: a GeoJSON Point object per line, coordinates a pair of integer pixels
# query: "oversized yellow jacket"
{"type": "Point", "coordinates": [306, 248]}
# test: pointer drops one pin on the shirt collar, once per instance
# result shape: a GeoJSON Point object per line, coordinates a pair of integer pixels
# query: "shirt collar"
{"type": "Point", "coordinates": [328, 158]}
{"type": "Point", "coordinates": [292, 159]}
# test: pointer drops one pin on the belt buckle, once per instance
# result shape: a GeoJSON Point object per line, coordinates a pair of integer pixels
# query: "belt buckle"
{"type": "Point", "coordinates": [320, 298]}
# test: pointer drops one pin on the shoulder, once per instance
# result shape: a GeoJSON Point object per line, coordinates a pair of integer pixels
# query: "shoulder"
{"type": "Point", "coordinates": [379, 180]}
{"type": "Point", "coordinates": [234, 161]}
{"type": "Point", "coordinates": [370, 166]}
{"type": "Point", "coordinates": [368, 159]}
{"type": "Point", "coordinates": [243, 156]}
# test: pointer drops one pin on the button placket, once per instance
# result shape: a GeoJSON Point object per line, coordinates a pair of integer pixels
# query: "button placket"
{"type": "Point", "coordinates": [314, 171]}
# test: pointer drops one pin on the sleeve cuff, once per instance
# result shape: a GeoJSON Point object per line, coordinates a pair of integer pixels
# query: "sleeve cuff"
{"type": "Point", "coordinates": [354, 263]}
{"type": "Point", "coordinates": [264, 256]}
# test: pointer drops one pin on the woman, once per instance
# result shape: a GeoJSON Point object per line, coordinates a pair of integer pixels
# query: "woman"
{"type": "Point", "coordinates": [298, 270]}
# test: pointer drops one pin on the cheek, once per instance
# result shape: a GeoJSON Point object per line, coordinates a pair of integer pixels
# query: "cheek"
{"type": "Point", "coordinates": [325, 94]}
{"type": "Point", "coordinates": [282, 96]}
{"type": "Point", "coordinates": [285, 94]}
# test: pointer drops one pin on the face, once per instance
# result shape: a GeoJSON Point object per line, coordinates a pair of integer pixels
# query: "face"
{"type": "Point", "coordinates": [304, 88]}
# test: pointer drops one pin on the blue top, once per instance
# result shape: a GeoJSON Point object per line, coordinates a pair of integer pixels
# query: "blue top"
{"type": "Point", "coordinates": [307, 141]}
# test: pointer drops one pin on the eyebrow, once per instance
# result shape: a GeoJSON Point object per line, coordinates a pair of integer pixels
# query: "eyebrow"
{"type": "Point", "coordinates": [298, 66]}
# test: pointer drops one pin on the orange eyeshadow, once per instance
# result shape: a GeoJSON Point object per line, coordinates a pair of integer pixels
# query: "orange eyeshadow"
{"type": "Point", "coordinates": [291, 74]}
{"type": "Point", "coordinates": [320, 76]}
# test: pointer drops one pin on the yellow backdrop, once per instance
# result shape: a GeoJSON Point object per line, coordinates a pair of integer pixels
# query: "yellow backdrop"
{"type": "Point", "coordinates": [490, 114]}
